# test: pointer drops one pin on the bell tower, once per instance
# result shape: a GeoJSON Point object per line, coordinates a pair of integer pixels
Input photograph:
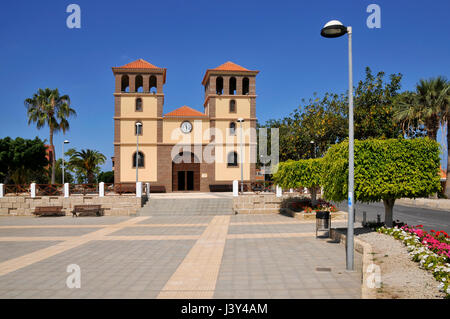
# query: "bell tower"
{"type": "Point", "coordinates": [229, 95]}
{"type": "Point", "coordinates": [138, 97]}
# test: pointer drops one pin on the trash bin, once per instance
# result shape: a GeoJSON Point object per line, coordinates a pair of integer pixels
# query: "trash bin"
{"type": "Point", "coordinates": [323, 222]}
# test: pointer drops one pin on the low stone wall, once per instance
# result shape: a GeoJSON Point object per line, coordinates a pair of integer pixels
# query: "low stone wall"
{"type": "Point", "coordinates": [260, 203]}
{"type": "Point", "coordinates": [112, 205]}
{"type": "Point", "coordinates": [339, 215]}
{"type": "Point", "coordinates": [442, 204]}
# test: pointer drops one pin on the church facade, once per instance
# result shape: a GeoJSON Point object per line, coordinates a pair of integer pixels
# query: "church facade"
{"type": "Point", "coordinates": [184, 150]}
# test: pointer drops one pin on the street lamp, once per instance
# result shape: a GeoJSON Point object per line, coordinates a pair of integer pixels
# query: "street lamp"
{"type": "Point", "coordinates": [334, 29]}
{"type": "Point", "coordinates": [314, 148]}
{"type": "Point", "coordinates": [65, 142]}
{"type": "Point", "coordinates": [240, 120]}
{"type": "Point", "coordinates": [263, 160]}
{"type": "Point", "coordinates": [138, 131]}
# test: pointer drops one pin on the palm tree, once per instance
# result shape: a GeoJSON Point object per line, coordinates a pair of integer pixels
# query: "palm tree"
{"type": "Point", "coordinates": [427, 108]}
{"type": "Point", "coordinates": [86, 163]}
{"type": "Point", "coordinates": [47, 107]}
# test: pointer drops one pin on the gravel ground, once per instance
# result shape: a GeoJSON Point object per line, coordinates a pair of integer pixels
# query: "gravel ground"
{"type": "Point", "coordinates": [401, 277]}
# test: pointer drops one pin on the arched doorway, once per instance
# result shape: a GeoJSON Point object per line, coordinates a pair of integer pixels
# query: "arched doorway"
{"type": "Point", "coordinates": [185, 172]}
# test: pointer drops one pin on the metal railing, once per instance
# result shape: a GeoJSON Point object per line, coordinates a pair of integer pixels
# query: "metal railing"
{"type": "Point", "coordinates": [84, 189]}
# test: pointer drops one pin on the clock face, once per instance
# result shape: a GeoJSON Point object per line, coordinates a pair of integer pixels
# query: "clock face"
{"type": "Point", "coordinates": [186, 127]}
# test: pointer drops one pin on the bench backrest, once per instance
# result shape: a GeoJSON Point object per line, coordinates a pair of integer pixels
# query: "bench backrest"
{"type": "Point", "coordinates": [86, 206]}
{"type": "Point", "coordinates": [48, 208]}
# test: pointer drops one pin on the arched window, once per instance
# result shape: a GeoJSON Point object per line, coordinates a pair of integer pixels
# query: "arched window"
{"type": "Point", "coordinates": [138, 104]}
{"type": "Point", "coordinates": [232, 159]}
{"type": "Point", "coordinates": [232, 128]}
{"type": "Point", "coordinates": [232, 106]}
{"type": "Point", "coordinates": [139, 84]}
{"type": "Point", "coordinates": [219, 85]}
{"type": "Point", "coordinates": [245, 86]}
{"type": "Point", "coordinates": [140, 159]}
{"type": "Point", "coordinates": [232, 86]}
{"type": "Point", "coordinates": [125, 87]}
{"type": "Point", "coordinates": [152, 84]}
{"type": "Point", "coordinates": [138, 129]}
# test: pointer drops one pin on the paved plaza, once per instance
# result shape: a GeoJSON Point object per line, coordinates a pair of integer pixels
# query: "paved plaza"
{"type": "Point", "coordinates": [222, 256]}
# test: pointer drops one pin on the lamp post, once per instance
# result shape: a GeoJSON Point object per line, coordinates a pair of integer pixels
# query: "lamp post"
{"type": "Point", "coordinates": [314, 148]}
{"type": "Point", "coordinates": [263, 159]}
{"type": "Point", "coordinates": [334, 29]}
{"type": "Point", "coordinates": [65, 142]}
{"type": "Point", "coordinates": [138, 131]}
{"type": "Point", "coordinates": [240, 120]}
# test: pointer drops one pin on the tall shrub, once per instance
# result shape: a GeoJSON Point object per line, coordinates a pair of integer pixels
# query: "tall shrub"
{"type": "Point", "coordinates": [385, 170]}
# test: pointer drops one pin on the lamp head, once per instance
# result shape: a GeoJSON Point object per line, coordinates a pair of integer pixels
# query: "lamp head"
{"type": "Point", "coordinates": [66, 142]}
{"type": "Point", "coordinates": [333, 29]}
{"type": "Point", "coordinates": [240, 120]}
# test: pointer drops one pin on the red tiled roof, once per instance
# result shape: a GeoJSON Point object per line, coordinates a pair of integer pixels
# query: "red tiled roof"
{"type": "Point", "coordinates": [184, 111]}
{"type": "Point", "coordinates": [139, 64]}
{"type": "Point", "coordinates": [230, 66]}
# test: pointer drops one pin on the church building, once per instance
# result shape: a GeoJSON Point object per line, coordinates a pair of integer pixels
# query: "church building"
{"type": "Point", "coordinates": [184, 150]}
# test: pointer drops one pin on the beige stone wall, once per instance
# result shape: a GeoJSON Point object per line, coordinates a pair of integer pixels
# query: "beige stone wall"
{"type": "Point", "coordinates": [148, 173]}
{"type": "Point", "coordinates": [124, 205]}
{"type": "Point", "coordinates": [225, 173]}
{"type": "Point", "coordinates": [259, 204]}
{"type": "Point", "coordinates": [172, 133]}
{"type": "Point", "coordinates": [128, 129]}
{"type": "Point", "coordinates": [128, 106]}
{"type": "Point", "coordinates": [223, 107]}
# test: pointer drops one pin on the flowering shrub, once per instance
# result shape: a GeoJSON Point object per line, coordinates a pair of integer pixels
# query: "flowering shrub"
{"type": "Point", "coordinates": [304, 205]}
{"type": "Point", "coordinates": [430, 250]}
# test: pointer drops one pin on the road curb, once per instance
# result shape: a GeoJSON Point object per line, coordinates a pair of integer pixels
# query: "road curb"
{"type": "Point", "coordinates": [366, 250]}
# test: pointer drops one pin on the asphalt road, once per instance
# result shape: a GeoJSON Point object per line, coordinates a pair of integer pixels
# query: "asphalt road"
{"type": "Point", "coordinates": [429, 218]}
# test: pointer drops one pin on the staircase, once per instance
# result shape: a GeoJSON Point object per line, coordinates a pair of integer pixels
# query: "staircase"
{"type": "Point", "coordinates": [187, 207]}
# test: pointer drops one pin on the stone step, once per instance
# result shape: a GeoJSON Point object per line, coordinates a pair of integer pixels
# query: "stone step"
{"type": "Point", "coordinates": [187, 206]}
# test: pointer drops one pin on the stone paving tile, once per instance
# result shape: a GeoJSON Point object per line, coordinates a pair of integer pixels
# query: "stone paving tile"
{"type": "Point", "coordinates": [119, 269]}
{"type": "Point", "coordinates": [271, 228]}
{"type": "Point", "coordinates": [65, 220]}
{"type": "Point", "coordinates": [9, 250]}
{"type": "Point", "coordinates": [285, 268]}
{"type": "Point", "coordinates": [142, 231]}
{"type": "Point", "coordinates": [177, 220]}
{"type": "Point", "coordinates": [46, 232]}
{"type": "Point", "coordinates": [260, 218]}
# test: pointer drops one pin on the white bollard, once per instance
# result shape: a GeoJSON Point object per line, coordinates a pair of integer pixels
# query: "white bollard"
{"type": "Point", "coordinates": [66, 190]}
{"type": "Point", "coordinates": [139, 189]}
{"type": "Point", "coordinates": [279, 191]}
{"type": "Point", "coordinates": [235, 188]}
{"type": "Point", "coordinates": [1, 190]}
{"type": "Point", "coordinates": [101, 189]}
{"type": "Point", "coordinates": [33, 190]}
{"type": "Point", "coordinates": [148, 189]}
{"type": "Point", "coordinates": [291, 190]}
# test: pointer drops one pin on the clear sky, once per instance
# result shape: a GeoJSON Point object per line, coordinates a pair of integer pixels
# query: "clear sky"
{"type": "Point", "coordinates": [280, 38]}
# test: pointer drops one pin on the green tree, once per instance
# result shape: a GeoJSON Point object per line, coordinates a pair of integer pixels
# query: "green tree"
{"type": "Point", "coordinates": [85, 164]}
{"type": "Point", "coordinates": [47, 107]}
{"type": "Point", "coordinates": [384, 170]}
{"type": "Point", "coordinates": [22, 161]}
{"type": "Point", "coordinates": [374, 107]}
{"type": "Point", "coordinates": [106, 177]}
{"type": "Point", "coordinates": [303, 173]}
{"type": "Point", "coordinates": [68, 177]}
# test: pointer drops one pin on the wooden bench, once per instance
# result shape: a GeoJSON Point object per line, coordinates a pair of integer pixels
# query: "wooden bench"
{"type": "Point", "coordinates": [220, 188]}
{"type": "Point", "coordinates": [157, 189]}
{"type": "Point", "coordinates": [87, 210]}
{"type": "Point", "coordinates": [49, 211]}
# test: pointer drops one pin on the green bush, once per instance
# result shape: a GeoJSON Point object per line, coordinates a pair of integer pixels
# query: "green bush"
{"type": "Point", "coordinates": [384, 170]}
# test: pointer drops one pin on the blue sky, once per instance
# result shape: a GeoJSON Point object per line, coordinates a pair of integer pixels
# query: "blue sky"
{"type": "Point", "coordinates": [281, 39]}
